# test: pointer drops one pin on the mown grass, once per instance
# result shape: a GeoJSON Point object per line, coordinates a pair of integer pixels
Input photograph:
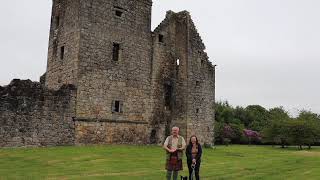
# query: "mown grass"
{"type": "Point", "coordinates": [147, 163]}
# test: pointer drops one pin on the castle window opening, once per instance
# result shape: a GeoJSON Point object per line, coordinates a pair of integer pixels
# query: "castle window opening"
{"type": "Point", "coordinates": [197, 110]}
{"type": "Point", "coordinates": [168, 95]}
{"type": "Point", "coordinates": [115, 53]}
{"type": "Point", "coordinates": [55, 48]}
{"type": "Point", "coordinates": [197, 83]}
{"type": "Point", "coordinates": [57, 21]}
{"type": "Point", "coordinates": [160, 38]}
{"type": "Point", "coordinates": [62, 52]}
{"type": "Point", "coordinates": [119, 13]}
{"type": "Point", "coordinates": [116, 106]}
{"type": "Point", "coordinates": [177, 67]}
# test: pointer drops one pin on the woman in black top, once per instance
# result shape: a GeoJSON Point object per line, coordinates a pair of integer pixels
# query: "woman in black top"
{"type": "Point", "coordinates": [194, 152]}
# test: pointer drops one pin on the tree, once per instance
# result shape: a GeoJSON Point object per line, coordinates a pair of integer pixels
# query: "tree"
{"type": "Point", "coordinates": [223, 133]}
{"type": "Point", "coordinates": [241, 115]}
{"type": "Point", "coordinates": [238, 136]}
{"type": "Point", "coordinates": [224, 112]}
{"type": "Point", "coordinates": [308, 116]}
{"type": "Point", "coordinates": [218, 132]}
{"type": "Point", "coordinates": [278, 114]}
{"type": "Point", "coordinates": [257, 117]}
{"type": "Point", "coordinates": [278, 132]}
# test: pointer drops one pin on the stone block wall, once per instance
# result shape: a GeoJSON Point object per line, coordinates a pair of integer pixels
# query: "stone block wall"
{"type": "Point", "coordinates": [31, 115]}
{"type": "Point", "coordinates": [181, 61]}
{"type": "Point", "coordinates": [62, 64]}
{"type": "Point", "coordinates": [101, 80]}
{"type": "Point", "coordinates": [108, 132]}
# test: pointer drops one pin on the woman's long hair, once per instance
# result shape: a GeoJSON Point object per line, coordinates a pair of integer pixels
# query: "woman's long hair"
{"type": "Point", "coordinates": [197, 142]}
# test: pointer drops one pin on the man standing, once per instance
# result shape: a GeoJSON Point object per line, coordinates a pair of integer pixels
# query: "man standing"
{"type": "Point", "coordinates": [174, 146]}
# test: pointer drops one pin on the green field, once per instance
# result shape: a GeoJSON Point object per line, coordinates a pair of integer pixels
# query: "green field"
{"type": "Point", "coordinates": [142, 163]}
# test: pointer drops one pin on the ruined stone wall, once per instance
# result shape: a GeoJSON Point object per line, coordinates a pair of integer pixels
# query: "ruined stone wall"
{"type": "Point", "coordinates": [192, 81]}
{"type": "Point", "coordinates": [201, 95]}
{"type": "Point", "coordinates": [100, 132]}
{"type": "Point", "coordinates": [64, 32]}
{"type": "Point", "coordinates": [31, 115]}
{"type": "Point", "coordinates": [102, 81]}
{"type": "Point", "coordinates": [169, 68]}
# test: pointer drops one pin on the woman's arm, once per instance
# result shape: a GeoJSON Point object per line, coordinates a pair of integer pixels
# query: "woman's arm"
{"type": "Point", "coordinates": [188, 153]}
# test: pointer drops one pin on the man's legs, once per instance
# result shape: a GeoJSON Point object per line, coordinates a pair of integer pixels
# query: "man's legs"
{"type": "Point", "coordinates": [169, 173]}
{"type": "Point", "coordinates": [175, 175]}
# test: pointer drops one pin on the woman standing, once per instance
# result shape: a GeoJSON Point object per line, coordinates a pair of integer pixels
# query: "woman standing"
{"type": "Point", "coordinates": [194, 152]}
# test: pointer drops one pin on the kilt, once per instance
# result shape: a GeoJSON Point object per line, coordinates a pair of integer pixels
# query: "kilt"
{"type": "Point", "coordinates": [174, 164]}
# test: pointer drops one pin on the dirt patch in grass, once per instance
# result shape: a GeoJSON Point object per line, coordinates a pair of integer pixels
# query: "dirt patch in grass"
{"type": "Point", "coordinates": [88, 157]}
{"type": "Point", "coordinates": [51, 162]}
{"type": "Point", "coordinates": [308, 153]}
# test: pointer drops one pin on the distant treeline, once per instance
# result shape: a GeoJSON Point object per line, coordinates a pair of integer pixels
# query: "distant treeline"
{"type": "Point", "coordinates": [258, 125]}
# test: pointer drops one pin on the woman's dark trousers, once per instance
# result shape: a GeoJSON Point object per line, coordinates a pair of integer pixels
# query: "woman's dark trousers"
{"type": "Point", "coordinates": [196, 171]}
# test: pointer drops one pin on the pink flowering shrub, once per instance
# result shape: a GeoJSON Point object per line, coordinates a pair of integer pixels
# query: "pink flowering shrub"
{"type": "Point", "coordinates": [251, 135]}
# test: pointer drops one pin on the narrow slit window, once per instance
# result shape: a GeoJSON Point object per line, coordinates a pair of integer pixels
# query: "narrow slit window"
{"type": "Point", "coordinates": [160, 38]}
{"type": "Point", "coordinates": [62, 53]}
{"type": "Point", "coordinates": [116, 51]}
{"type": "Point", "coordinates": [117, 106]}
{"type": "Point", "coordinates": [197, 83]}
{"type": "Point", "coordinates": [168, 95]}
{"type": "Point", "coordinates": [55, 48]}
{"type": "Point", "coordinates": [119, 13]}
{"type": "Point", "coordinates": [197, 110]}
{"type": "Point", "coordinates": [177, 67]}
{"type": "Point", "coordinates": [57, 22]}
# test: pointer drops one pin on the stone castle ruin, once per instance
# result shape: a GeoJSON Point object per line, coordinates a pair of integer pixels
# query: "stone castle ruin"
{"type": "Point", "coordinates": [110, 79]}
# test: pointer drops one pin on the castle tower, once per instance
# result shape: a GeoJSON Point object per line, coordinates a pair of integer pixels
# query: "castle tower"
{"type": "Point", "coordinates": [185, 77]}
{"type": "Point", "coordinates": [104, 48]}
{"type": "Point", "coordinates": [64, 44]}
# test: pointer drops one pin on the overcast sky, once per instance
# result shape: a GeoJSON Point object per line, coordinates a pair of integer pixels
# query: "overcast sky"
{"type": "Point", "coordinates": [267, 51]}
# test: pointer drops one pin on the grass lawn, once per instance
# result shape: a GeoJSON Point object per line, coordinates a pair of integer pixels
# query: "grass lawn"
{"type": "Point", "coordinates": [147, 163]}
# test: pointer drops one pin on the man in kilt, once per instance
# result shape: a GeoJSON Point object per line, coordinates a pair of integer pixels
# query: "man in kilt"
{"type": "Point", "coordinates": [174, 146]}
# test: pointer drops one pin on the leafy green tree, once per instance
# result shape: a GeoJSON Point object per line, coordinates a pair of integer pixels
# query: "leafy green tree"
{"type": "Point", "coordinates": [308, 116]}
{"type": "Point", "coordinates": [300, 133]}
{"type": "Point", "coordinates": [241, 115]}
{"type": "Point", "coordinates": [278, 132]}
{"type": "Point", "coordinates": [224, 112]}
{"type": "Point", "coordinates": [276, 125]}
{"type": "Point", "coordinates": [278, 114]}
{"type": "Point", "coordinates": [218, 128]}
{"type": "Point", "coordinates": [305, 129]}
{"type": "Point", "coordinates": [257, 117]}
{"type": "Point", "coordinates": [238, 136]}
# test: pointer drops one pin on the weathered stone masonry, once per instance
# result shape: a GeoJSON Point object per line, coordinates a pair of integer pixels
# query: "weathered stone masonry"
{"type": "Point", "coordinates": [130, 85]}
{"type": "Point", "coordinates": [31, 115]}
